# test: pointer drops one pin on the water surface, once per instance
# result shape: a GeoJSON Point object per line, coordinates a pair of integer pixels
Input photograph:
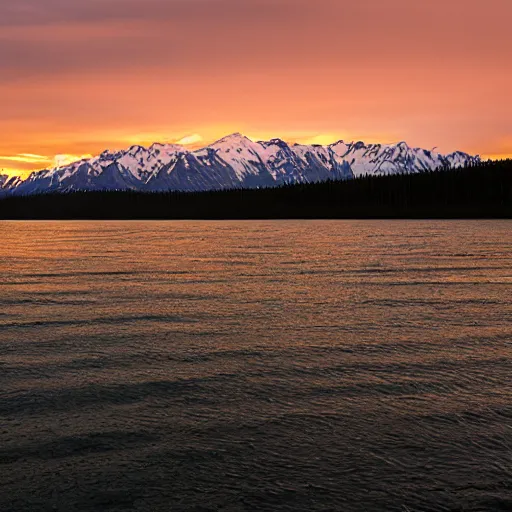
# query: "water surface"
{"type": "Point", "coordinates": [243, 366]}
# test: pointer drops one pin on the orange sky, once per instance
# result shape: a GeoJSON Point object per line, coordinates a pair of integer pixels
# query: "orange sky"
{"type": "Point", "coordinates": [79, 77]}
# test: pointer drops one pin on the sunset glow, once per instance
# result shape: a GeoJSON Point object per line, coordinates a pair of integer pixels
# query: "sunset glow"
{"type": "Point", "coordinates": [82, 77]}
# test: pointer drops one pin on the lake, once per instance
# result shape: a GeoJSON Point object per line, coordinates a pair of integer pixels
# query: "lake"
{"type": "Point", "coordinates": [247, 366]}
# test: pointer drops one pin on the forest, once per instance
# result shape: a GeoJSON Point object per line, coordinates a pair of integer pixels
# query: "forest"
{"type": "Point", "coordinates": [480, 191]}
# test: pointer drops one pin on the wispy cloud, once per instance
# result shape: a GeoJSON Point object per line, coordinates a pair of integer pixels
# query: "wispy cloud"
{"type": "Point", "coordinates": [190, 140]}
{"type": "Point", "coordinates": [28, 162]}
{"type": "Point", "coordinates": [66, 159]}
{"type": "Point", "coordinates": [26, 158]}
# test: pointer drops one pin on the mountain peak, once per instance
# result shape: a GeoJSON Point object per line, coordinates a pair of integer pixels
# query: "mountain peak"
{"type": "Point", "coordinates": [234, 138]}
{"type": "Point", "coordinates": [280, 143]}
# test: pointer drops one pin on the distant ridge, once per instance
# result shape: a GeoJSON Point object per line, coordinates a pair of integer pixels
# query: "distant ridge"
{"type": "Point", "coordinates": [234, 161]}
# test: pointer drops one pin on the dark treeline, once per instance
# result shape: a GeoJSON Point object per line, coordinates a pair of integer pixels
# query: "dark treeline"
{"type": "Point", "coordinates": [480, 191]}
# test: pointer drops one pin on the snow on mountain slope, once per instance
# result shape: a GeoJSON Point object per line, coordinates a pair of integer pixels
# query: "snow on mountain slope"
{"type": "Point", "coordinates": [3, 180]}
{"type": "Point", "coordinates": [8, 183]}
{"type": "Point", "coordinates": [234, 161]}
{"type": "Point", "coordinates": [394, 158]}
{"type": "Point", "coordinates": [241, 153]}
{"type": "Point", "coordinates": [142, 163]}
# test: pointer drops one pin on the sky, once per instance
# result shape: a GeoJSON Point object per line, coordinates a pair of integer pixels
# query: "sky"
{"type": "Point", "coordinates": [79, 77]}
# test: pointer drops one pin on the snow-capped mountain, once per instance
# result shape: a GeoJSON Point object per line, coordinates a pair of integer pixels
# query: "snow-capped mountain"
{"type": "Point", "coordinates": [234, 161]}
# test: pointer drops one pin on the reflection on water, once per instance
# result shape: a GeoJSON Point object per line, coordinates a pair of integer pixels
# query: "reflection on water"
{"type": "Point", "coordinates": [242, 366]}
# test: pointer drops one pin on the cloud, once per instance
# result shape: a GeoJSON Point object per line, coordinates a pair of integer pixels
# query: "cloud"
{"type": "Point", "coordinates": [64, 159]}
{"type": "Point", "coordinates": [190, 139]}
{"type": "Point", "coordinates": [26, 158]}
{"type": "Point", "coordinates": [52, 38]}
{"type": "Point", "coordinates": [33, 13]}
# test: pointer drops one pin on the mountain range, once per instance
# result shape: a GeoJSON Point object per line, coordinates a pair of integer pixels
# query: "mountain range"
{"type": "Point", "coordinates": [232, 162]}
